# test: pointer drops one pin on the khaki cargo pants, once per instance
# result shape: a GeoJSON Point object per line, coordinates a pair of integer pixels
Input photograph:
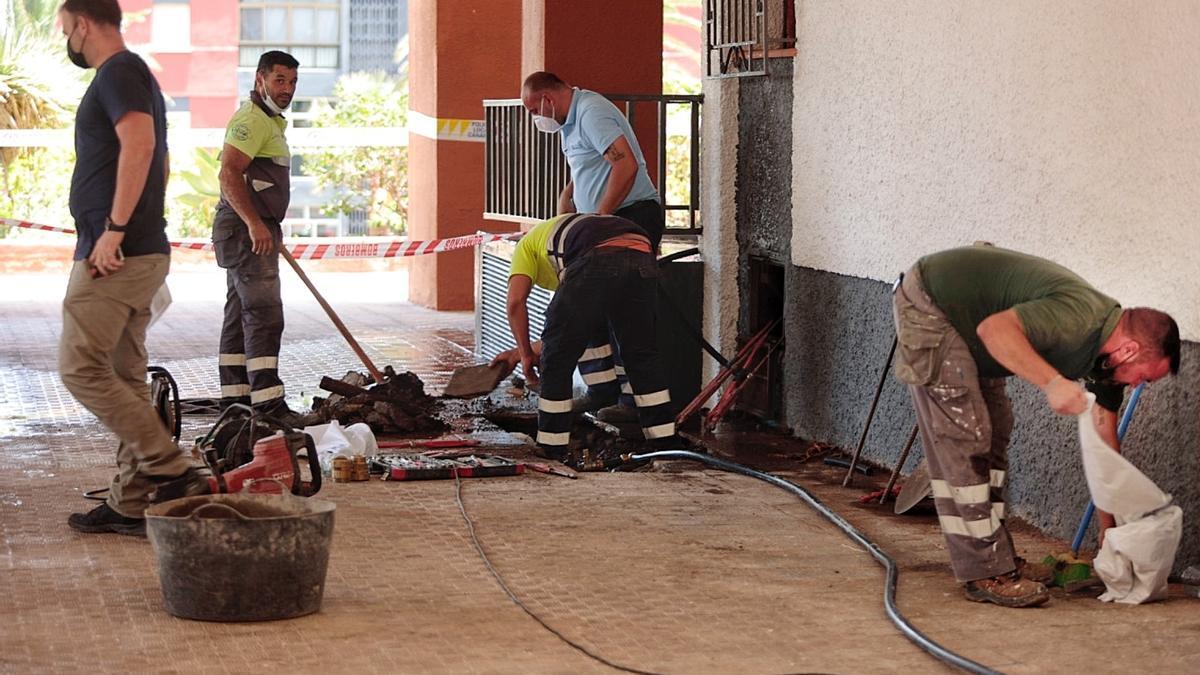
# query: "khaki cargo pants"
{"type": "Point", "coordinates": [965, 422]}
{"type": "Point", "coordinates": [102, 361]}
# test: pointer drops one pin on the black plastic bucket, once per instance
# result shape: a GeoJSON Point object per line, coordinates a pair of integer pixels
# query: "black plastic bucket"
{"type": "Point", "coordinates": [241, 557]}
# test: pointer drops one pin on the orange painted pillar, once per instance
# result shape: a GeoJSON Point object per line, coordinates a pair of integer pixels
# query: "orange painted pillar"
{"type": "Point", "coordinates": [460, 52]}
{"type": "Point", "coordinates": [610, 47]}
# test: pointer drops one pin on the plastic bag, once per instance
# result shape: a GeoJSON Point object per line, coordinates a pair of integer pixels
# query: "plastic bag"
{"type": "Point", "coordinates": [333, 439]}
{"type": "Point", "coordinates": [1138, 554]}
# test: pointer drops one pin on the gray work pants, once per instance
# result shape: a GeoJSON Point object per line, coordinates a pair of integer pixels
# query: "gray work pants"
{"type": "Point", "coordinates": [965, 422]}
{"type": "Point", "coordinates": [248, 364]}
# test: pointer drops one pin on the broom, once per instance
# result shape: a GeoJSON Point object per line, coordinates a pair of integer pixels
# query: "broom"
{"type": "Point", "coordinates": [1071, 572]}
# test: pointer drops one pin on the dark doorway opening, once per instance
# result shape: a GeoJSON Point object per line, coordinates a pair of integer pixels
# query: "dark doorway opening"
{"type": "Point", "coordinates": [763, 395]}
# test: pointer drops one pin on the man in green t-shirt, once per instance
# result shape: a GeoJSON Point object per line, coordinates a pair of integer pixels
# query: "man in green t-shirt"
{"type": "Point", "coordinates": [255, 190]}
{"type": "Point", "coordinates": [966, 319]}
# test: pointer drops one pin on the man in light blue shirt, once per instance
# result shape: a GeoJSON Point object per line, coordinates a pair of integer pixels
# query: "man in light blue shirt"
{"type": "Point", "coordinates": [608, 177]}
{"type": "Point", "coordinates": [608, 171]}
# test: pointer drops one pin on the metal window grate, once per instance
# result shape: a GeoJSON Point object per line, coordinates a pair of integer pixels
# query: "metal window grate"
{"type": "Point", "coordinates": [525, 169]}
{"type": "Point", "coordinates": [736, 38]}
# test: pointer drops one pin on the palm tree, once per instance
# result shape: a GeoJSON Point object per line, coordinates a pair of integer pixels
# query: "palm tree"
{"type": "Point", "coordinates": [39, 88]}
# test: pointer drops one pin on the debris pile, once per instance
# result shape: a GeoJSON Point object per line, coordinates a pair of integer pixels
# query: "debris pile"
{"type": "Point", "coordinates": [398, 405]}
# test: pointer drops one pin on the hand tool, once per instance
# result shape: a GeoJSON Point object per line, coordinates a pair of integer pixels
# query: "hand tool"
{"type": "Point", "coordinates": [430, 443]}
{"type": "Point", "coordinates": [546, 468]}
{"type": "Point", "coordinates": [899, 464]}
{"type": "Point", "coordinates": [472, 381]}
{"type": "Point", "coordinates": [887, 364]}
{"type": "Point", "coordinates": [274, 462]}
{"type": "Point", "coordinates": [362, 356]}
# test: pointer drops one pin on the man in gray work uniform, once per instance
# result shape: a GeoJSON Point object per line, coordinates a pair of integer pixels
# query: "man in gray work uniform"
{"type": "Point", "coordinates": [966, 319]}
{"type": "Point", "coordinates": [255, 191]}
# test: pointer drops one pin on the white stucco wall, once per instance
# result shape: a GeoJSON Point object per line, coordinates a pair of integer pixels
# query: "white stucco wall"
{"type": "Point", "coordinates": [1068, 129]}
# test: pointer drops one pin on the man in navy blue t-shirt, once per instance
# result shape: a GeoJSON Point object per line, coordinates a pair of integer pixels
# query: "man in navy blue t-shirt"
{"type": "Point", "coordinates": [121, 261]}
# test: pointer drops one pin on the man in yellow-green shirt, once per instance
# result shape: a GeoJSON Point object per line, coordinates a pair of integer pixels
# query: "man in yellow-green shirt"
{"type": "Point", "coordinates": [603, 274]}
{"type": "Point", "coordinates": [255, 190]}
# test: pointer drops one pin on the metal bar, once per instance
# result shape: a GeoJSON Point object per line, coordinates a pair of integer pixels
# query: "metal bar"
{"type": "Point", "coordinates": [337, 323]}
{"type": "Point", "coordinates": [694, 168]}
{"type": "Point", "coordinates": [862, 440]}
{"type": "Point", "coordinates": [899, 464]}
{"type": "Point", "coordinates": [662, 154]}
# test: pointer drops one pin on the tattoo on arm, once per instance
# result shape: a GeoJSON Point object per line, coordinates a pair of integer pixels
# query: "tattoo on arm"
{"type": "Point", "coordinates": [614, 155]}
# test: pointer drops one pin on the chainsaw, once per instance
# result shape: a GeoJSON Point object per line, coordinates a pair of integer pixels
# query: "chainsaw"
{"type": "Point", "coordinates": [274, 461]}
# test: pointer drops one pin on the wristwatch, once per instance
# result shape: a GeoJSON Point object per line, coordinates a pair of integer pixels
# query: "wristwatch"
{"type": "Point", "coordinates": [110, 226]}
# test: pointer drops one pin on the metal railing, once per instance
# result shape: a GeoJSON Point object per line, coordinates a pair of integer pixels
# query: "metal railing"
{"type": "Point", "coordinates": [524, 169]}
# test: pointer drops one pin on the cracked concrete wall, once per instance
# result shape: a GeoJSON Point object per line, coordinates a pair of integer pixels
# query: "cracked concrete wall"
{"type": "Point", "coordinates": [718, 246]}
{"type": "Point", "coordinates": [1064, 129]}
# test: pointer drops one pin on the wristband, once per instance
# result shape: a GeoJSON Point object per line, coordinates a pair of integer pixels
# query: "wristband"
{"type": "Point", "coordinates": [110, 226]}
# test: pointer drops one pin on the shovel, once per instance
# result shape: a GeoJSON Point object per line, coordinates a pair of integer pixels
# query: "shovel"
{"type": "Point", "coordinates": [473, 381]}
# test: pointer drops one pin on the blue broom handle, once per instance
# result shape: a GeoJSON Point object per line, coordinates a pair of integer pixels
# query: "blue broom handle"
{"type": "Point", "coordinates": [1121, 429]}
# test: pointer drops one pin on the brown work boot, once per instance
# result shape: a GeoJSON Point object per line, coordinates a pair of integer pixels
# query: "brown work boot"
{"type": "Point", "coordinates": [1007, 590]}
{"type": "Point", "coordinates": [1043, 574]}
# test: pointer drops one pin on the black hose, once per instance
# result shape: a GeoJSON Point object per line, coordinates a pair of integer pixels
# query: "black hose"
{"type": "Point", "coordinates": [889, 591]}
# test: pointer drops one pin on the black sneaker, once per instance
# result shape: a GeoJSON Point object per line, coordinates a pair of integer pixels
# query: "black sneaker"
{"type": "Point", "coordinates": [280, 412]}
{"type": "Point", "coordinates": [104, 519]}
{"type": "Point", "coordinates": [188, 484]}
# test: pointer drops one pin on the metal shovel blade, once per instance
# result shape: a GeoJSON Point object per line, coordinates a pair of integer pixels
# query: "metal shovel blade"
{"type": "Point", "coordinates": [915, 489]}
{"type": "Point", "coordinates": [472, 381]}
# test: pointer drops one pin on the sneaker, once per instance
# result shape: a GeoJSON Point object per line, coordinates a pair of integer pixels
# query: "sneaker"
{"type": "Point", "coordinates": [617, 414]}
{"type": "Point", "coordinates": [104, 519]}
{"type": "Point", "coordinates": [187, 484]}
{"type": "Point", "coordinates": [1007, 590]}
{"type": "Point", "coordinates": [280, 412]}
{"type": "Point", "coordinates": [591, 403]}
{"type": "Point", "coordinates": [1043, 574]}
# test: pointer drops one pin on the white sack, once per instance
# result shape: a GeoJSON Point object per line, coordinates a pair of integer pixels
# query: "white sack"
{"type": "Point", "coordinates": [1138, 554]}
{"type": "Point", "coordinates": [333, 439]}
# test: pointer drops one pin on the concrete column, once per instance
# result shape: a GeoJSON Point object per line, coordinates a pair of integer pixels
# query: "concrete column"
{"type": "Point", "coordinates": [719, 247]}
{"type": "Point", "coordinates": [461, 52]}
{"type": "Point", "coordinates": [610, 47]}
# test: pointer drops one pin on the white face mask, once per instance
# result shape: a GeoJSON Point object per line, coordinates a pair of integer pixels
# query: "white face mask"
{"type": "Point", "coordinates": [544, 124]}
{"type": "Point", "coordinates": [269, 102]}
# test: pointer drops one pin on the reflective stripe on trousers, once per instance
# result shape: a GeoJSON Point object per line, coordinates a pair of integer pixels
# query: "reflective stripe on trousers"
{"type": "Point", "coordinates": [611, 289]}
{"type": "Point", "coordinates": [965, 424]}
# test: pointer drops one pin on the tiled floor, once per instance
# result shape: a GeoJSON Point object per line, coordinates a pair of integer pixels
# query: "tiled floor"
{"type": "Point", "coordinates": [678, 570]}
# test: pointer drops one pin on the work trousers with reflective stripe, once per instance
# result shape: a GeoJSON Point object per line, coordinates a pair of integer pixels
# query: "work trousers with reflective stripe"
{"type": "Point", "coordinates": [248, 364]}
{"type": "Point", "coordinates": [608, 288]}
{"type": "Point", "coordinates": [601, 366]}
{"type": "Point", "coordinates": [102, 360]}
{"type": "Point", "coordinates": [966, 422]}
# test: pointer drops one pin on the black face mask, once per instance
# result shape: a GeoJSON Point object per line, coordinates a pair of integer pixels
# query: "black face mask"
{"type": "Point", "coordinates": [76, 57]}
{"type": "Point", "coordinates": [1103, 371]}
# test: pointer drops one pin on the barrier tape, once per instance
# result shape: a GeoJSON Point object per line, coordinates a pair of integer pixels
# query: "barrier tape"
{"type": "Point", "coordinates": [395, 248]}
